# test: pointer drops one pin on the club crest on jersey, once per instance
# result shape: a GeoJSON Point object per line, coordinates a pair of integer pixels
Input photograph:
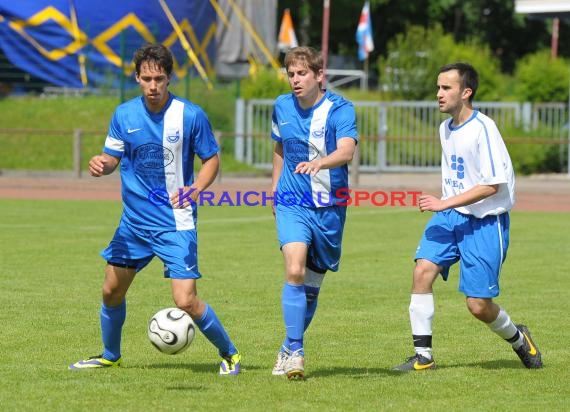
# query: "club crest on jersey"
{"type": "Point", "coordinates": [173, 135]}
{"type": "Point", "coordinates": [318, 134]}
{"type": "Point", "coordinates": [152, 156]}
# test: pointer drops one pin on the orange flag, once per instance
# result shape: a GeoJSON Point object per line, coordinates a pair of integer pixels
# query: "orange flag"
{"type": "Point", "coordinates": [287, 38]}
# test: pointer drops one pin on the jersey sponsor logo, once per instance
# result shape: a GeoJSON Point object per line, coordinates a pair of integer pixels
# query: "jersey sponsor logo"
{"type": "Point", "coordinates": [454, 183]}
{"type": "Point", "coordinates": [458, 166]}
{"type": "Point", "coordinates": [152, 156]}
{"type": "Point", "coordinates": [283, 123]}
{"type": "Point", "coordinates": [129, 130]}
{"type": "Point", "coordinates": [298, 150]}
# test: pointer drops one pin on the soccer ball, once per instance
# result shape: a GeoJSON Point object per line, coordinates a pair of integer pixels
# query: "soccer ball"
{"type": "Point", "coordinates": [171, 330]}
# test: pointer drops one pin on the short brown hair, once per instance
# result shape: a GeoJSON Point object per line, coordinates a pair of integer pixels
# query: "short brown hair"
{"type": "Point", "coordinates": [309, 56]}
{"type": "Point", "coordinates": [155, 53]}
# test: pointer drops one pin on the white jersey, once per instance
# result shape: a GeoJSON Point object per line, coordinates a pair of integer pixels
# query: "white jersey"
{"type": "Point", "coordinates": [475, 154]}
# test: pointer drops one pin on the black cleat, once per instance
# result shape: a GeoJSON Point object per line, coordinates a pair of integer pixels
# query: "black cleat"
{"type": "Point", "coordinates": [528, 353]}
{"type": "Point", "coordinates": [415, 363]}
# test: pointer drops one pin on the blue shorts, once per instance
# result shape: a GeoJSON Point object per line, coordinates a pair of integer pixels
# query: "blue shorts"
{"type": "Point", "coordinates": [132, 247]}
{"type": "Point", "coordinates": [479, 244]}
{"type": "Point", "coordinates": [319, 228]}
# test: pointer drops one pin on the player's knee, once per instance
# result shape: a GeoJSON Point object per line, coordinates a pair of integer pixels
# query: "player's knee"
{"type": "Point", "coordinates": [191, 304]}
{"type": "Point", "coordinates": [296, 274]}
{"type": "Point", "coordinates": [424, 275]}
{"type": "Point", "coordinates": [112, 296]}
{"type": "Point", "coordinates": [482, 309]}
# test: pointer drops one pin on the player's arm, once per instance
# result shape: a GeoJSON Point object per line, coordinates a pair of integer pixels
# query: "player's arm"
{"type": "Point", "coordinates": [208, 173]}
{"type": "Point", "coordinates": [277, 165]}
{"type": "Point", "coordinates": [205, 178]}
{"type": "Point", "coordinates": [342, 155]}
{"type": "Point", "coordinates": [277, 169]}
{"type": "Point", "coordinates": [429, 203]}
{"type": "Point", "coordinates": [103, 164]}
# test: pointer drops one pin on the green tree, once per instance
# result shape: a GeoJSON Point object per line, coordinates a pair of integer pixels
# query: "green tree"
{"type": "Point", "coordinates": [540, 78]}
{"type": "Point", "coordinates": [409, 69]}
{"type": "Point", "coordinates": [264, 84]}
{"type": "Point", "coordinates": [492, 22]}
{"type": "Point", "coordinates": [413, 59]}
{"type": "Point", "coordinates": [492, 83]}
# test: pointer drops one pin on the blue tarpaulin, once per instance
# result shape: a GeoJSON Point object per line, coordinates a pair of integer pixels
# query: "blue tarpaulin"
{"type": "Point", "coordinates": [77, 43]}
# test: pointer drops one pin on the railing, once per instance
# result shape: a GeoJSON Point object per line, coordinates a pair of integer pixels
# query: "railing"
{"type": "Point", "coordinates": [403, 135]}
{"type": "Point", "coordinates": [78, 156]}
{"type": "Point", "coordinates": [394, 136]}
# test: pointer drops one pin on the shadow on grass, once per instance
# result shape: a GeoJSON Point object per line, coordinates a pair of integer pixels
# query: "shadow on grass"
{"type": "Point", "coordinates": [360, 373]}
{"type": "Point", "coordinates": [488, 365]}
{"type": "Point", "coordinates": [194, 367]}
{"type": "Point", "coordinates": [494, 364]}
{"type": "Point", "coordinates": [350, 372]}
{"type": "Point", "coordinates": [185, 387]}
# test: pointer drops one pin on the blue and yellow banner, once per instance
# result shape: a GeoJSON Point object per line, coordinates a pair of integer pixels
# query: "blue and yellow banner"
{"type": "Point", "coordinates": [79, 43]}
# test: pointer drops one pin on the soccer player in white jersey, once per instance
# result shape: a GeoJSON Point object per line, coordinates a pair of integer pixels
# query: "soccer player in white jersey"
{"type": "Point", "coordinates": [315, 137]}
{"type": "Point", "coordinates": [155, 138]}
{"type": "Point", "coordinates": [470, 224]}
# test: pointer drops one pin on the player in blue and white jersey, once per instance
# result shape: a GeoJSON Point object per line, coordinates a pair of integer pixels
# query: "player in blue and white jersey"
{"type": "Point", "coordinates": [470, 224]}
{"type": "Point", "coordinates": [315, 138]}
{"type": "Point", "coordinates": [154, 139]}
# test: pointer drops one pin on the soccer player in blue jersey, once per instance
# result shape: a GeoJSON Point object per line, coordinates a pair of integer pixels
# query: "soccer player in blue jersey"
{"type": "Point", "coordinates": [315, 137]}
{"type": "Point", "coordinates": [470, 224]}
{"type": "Point", "coordinates": [154, 139]}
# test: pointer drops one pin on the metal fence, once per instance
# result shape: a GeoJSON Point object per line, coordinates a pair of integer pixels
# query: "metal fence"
{"type": "Point", "coordinates": [403, 135]}
{"type": "Point", "coordinates": [394, 137]}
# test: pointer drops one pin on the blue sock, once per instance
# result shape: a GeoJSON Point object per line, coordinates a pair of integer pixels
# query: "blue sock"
{"type": "Point", "coordinates": [294, 305]}
{"type": "Point", "coordinates": [212, 328]}
{"type": "Point", "coordinates": [312, 294]}
{"type": "Point", "coordinates": [312, 300]}
{"type": "Point", "coordinates": [112, 320]}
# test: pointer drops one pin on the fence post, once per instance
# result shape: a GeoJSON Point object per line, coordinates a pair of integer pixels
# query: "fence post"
{"type": "Point", "coordinates": [568, 127]}
{"type": "Point", "coordinates": [527, 116]}
{"type": "Point", "coordinates": [568, 144]}
{"type": "Point", "coordinates": [77, 153]}
{"type": "Point", "coordinates": [240, 129]}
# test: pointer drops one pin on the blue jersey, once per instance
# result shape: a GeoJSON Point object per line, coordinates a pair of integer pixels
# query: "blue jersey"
{"type": "Point", "coordinates": [157, 158]}
{"type": "Point", "coordinates": [307, 135]}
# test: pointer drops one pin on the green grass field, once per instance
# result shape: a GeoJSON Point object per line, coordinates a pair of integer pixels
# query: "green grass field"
{"type": "Point", "coordinates": [51, 276]}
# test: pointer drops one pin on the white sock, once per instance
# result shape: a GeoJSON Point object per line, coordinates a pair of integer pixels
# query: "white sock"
{"type": "Point", "coordinates": [506, 329]}
{"type": "Point", "coordinates": [422, 309]}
